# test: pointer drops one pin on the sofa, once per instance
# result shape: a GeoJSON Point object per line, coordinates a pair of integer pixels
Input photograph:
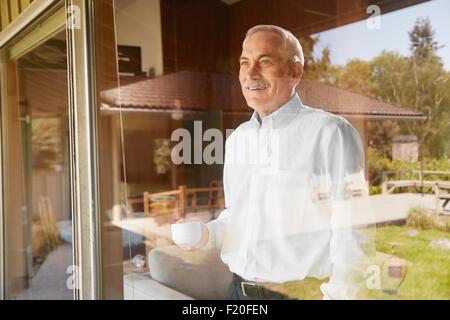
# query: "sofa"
{"type": "Point", "coordinates": [179, 274]}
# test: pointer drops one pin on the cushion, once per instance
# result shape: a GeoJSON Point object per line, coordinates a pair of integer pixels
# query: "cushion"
{"type": "Point", "coordinates": [200, 274]}
{"type": "Point", "coordinates": [142, 287]}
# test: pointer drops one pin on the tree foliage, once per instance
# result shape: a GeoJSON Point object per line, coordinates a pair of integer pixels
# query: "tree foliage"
{"type": "Point", "coordinates": [418, 81]}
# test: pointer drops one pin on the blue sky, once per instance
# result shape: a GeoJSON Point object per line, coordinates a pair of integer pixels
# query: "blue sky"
{"type": "Point", "coordinates": [356, 40]}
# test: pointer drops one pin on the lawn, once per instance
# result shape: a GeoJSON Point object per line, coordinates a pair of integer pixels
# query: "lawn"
{"type": "Point", "coordinates": [427, 269]}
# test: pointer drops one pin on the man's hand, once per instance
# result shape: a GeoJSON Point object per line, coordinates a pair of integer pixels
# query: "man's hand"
{"type": "Point", "coordinates": [203, 239]}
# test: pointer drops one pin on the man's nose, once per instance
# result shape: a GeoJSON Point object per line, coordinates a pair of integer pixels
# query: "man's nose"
{"type": "Point", "coordinates": [252, 71]}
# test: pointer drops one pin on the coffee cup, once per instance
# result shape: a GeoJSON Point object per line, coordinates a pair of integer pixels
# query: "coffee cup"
{"type": "Point", "coordinates": [186, 233]}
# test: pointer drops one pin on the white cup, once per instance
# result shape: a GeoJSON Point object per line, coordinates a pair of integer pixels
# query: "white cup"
{"type": "Point", "coordinates": [186, 233]}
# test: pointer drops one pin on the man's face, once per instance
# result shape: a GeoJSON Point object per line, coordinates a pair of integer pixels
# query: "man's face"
{"type": "Point", "coordinates": [267, 79]}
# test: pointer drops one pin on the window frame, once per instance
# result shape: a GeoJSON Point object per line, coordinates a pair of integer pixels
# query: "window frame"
{"type": "Point", "coordinates": [83, 166]}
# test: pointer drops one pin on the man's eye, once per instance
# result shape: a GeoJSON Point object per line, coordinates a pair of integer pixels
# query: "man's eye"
{"type": "Point", "coordinates": [264, 62]}
{"type": "Point", "coordinates": [243, 63]}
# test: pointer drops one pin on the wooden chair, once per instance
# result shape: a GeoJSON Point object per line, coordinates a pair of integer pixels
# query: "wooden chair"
{"type": "Point", "coordinates": [48, 222]}
{"type": "Point", "coordinates": [441, 194]}
{"type": "Point", "coordinates": [166, 203]}
{"type": "Point", "coordinates": [179, 202]}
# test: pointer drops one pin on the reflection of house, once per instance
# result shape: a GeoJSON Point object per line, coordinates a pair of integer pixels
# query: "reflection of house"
{"type": "Point", "coordinates": [203, 92]}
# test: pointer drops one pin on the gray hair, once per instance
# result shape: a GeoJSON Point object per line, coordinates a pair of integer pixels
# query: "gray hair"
{"type": "Point", "coordinates": [290, 42]}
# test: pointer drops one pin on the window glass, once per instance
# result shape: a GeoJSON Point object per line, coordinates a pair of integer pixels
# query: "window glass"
{"type": "Point", "coordinates": [37, 212]}
{"type": "Point", "coordinates": [170, 96]}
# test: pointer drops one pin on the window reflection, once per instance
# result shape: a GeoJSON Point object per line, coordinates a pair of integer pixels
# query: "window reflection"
{"type": "Point", "coordinates": [38, 219]}
{"type": "Point", "coordinates": [175, 67]}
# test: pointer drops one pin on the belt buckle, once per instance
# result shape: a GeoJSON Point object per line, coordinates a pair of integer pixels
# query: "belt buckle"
{"type": "Point", "coordinates": [243, 287]}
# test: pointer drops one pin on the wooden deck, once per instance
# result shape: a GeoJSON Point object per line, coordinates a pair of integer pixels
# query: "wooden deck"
{"type": "Point", "coordinates": [395, 207]}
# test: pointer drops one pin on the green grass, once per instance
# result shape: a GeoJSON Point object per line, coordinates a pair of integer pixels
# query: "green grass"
{"type": "Point", "coordinates": [427, 270]}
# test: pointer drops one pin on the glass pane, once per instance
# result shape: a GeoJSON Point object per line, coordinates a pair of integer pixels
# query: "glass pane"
{"type": "Point", "coordinates": [170, 96]}
{"type": "Point", "coordinates": [38, 218]}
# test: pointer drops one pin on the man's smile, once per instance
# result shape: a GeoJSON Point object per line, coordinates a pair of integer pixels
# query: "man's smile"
{"type": "Point", "coordinates": [256, 88]}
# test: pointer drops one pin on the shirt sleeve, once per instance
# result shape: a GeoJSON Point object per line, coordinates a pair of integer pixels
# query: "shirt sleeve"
{"type": "Point", "coordinates": [218, 227]}
{"type": "Point", "coordinates": [216, 230]}
{"type": "Point", "coordinates": [345, 167]}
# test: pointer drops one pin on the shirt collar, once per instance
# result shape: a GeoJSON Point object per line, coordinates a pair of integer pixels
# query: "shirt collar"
{"type": "Point", "coordinates": [281, 116]}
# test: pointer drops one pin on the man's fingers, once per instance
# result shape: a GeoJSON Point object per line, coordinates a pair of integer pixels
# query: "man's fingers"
{"type": "Point", "coordinates": [181, 220]}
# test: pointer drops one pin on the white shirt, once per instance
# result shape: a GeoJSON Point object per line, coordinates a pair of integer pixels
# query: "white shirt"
{"type": "Point", "coordinates": [288, 182]}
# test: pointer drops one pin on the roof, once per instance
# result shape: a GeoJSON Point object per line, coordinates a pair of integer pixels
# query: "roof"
{"type": "Point", "coordinates": [404, 138]}
{"type": "Point", "coordinates": [345, 102]}
{"type": "Point", "coordinates": [196, 91]}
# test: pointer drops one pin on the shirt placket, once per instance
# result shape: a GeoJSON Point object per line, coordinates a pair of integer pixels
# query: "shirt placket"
{"type": "Point", "coordinates": [264, 154]}
{"type": "Point", "coordinates": [265, 141]}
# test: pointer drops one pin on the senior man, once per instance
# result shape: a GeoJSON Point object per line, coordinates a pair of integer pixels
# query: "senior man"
{"type": "Point", "coordinates": [288, 178]}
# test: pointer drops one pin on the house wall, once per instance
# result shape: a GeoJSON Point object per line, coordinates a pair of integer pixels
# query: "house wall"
{"type": "Point", "coordinates": [9, 10]}
{"type": "Point", "coordinates": [196, 35]}
{"type": "Point", "coordinates": [406, 151]}
{"type": "Point", "coordinates": [361, 126]}
{"type": "Point", "coordinates": [16, 261]}
{"type": "Point", "coordinates": [51, 185]}
{"type": "Point", "coordinates": [138, 23]}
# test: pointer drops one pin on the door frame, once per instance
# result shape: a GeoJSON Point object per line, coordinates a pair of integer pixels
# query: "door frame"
{"type": "Point", "coordinates": [83, 163]}
{"type": "Point", "coordinates": [84, 151]}
{"type": "Point", "coordinates": [2, 242]}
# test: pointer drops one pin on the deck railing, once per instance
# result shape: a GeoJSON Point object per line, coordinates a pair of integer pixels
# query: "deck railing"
{"type": "Point", "coordinates": [181, 201]}
{"type": "Point", "coordinates": [439, 188]}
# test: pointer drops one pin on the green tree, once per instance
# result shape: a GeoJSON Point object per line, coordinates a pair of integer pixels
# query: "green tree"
{"type": "Point", "coordinates": [308, 43]}
{"type": "Point", "coordinates": [421, 38]}
{"type": "Point", "coordinates": [356, 76]}
{"type": "Point", "coordinates": [428, 90]}
{"type": "Point", "coordinates": [381, 133]}
{"type": "Point", "coordinates": [318, 68]}
{"type": "Point", "coordinates": [419, 82]}
{"type": "Point", "coordinates": [390, 75]}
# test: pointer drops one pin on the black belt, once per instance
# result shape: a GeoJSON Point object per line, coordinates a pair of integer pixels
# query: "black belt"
{"type": "Point", "coordinates": [255, 290]}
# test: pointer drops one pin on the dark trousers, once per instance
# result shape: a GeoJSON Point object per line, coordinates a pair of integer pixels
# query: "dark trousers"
{"type": "Point", "coordinates": [252, 292]}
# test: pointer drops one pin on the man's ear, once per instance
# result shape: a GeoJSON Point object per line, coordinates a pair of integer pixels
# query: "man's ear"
{"type": "Point", "coordinates": [297, 71]}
